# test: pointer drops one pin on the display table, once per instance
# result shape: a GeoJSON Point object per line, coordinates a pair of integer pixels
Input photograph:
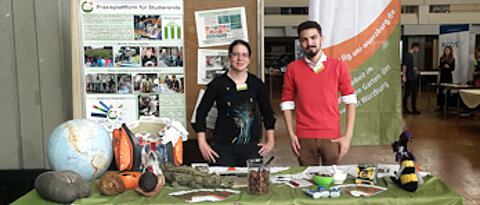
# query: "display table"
{"type": "Point", "coordinates": [450, 86]}
{"type": "Point", "coordinates": [471, 98]}
{"type": "Point", "coordinates": [433, 191]}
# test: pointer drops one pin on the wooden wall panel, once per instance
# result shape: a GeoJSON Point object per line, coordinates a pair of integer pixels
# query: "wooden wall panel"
{"type": "Point", "coordinates": [9, 121]}
{"type": "Point", "coordinates": [51, 74]}
{"type": "Point", "coordinates": [29, 93]}
{"type": "Point", "coordinates": [66, 55]}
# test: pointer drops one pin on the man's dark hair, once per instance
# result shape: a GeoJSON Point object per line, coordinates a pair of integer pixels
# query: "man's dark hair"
{"type": "Point", "coordinates": [415, 44]}
{"type": "Point", "coordinates": [236, 42]}
{"type": "Point", "coordinates": [309, 25]}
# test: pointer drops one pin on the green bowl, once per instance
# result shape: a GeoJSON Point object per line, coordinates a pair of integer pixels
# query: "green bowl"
{"type": "Point", "coordinates": [322, 181]}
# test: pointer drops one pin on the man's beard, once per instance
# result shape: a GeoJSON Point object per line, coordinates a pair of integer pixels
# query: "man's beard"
{"type": "Point", "coordinates": [311, 53]}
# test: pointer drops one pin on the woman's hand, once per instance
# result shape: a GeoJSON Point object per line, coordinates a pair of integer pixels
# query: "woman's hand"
{"type": "Point", "coordinates": [207, 152]}
{"type": "Point", "coordinates": [266, 148]}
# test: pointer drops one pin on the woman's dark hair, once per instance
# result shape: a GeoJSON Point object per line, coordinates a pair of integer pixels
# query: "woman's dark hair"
{"type": "Point", "coordinates": [236, 42]}
{"type": "Point", "coordinates": [415, 44]}
{"type": "Point", "coordinates": [309, 25]}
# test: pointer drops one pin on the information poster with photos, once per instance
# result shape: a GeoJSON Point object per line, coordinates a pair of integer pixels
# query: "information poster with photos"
{"type": "Point", "coordinates": [133, 60]}
{"type": "Point", "coordinates": [221, 26]}
{"type": "Point", "coordinates": [211, 63]}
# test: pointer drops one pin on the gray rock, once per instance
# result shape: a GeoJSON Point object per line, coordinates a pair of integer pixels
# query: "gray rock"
{"type": "Point", "coordinates": [62, 187]}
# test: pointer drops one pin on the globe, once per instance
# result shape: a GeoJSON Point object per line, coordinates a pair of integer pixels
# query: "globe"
{"type": "Point", "coordinates": [82, 146]}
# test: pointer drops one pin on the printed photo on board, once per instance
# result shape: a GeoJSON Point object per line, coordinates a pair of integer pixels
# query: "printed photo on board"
{"type": "Point", "coordinates": [170, 56]}
{"type": "Point", "coordinates": [145, 83]}
{"type": "Point", "coordinates": [124, 83]}
{"type": "Point", "coordinates": [100, 83]}
{"type": "Point", "coordinates": [148, 105]}
{"type": "Point", "coordinates": [98, 56]}
{"type": "Point", "coordinates": [149, 56]}
{"type": "Point", "coordinates": [148, 27]}
{"type": "Point", "coordinates": [126, 56]}
{"type": "Point", "coordinates": [171, 83]}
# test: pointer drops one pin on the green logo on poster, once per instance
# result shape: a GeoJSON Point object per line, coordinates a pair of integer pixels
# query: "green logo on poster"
{"type": "Point", "coordinates": [87, 6]}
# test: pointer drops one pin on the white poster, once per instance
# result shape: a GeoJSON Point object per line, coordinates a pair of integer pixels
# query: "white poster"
{"type": "Point", "coordinates": [211, 63]}
{"type": "Point", "coordinates": [459, 41]}
{"type": "Point", "coordinates": [221, 26]}
{"type": "Point", "coordinates": [111, 111]}
{"type": "Point", "coordinates": [133, 59]}
{"type": "Point", "coordinates": [212, 114]}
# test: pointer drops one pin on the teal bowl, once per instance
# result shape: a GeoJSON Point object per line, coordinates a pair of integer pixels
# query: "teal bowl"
{"type": "Point", "coordinates": [323, 180]}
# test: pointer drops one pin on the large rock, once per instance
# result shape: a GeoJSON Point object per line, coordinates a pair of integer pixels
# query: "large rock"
{"type": "Point", "coordinates": [62, 187]}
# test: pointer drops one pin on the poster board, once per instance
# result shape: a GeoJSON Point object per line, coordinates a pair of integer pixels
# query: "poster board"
{"type": "Point", "coordinates": [129, 60]}
{"type": "Point", "coordinates": [253, 9]}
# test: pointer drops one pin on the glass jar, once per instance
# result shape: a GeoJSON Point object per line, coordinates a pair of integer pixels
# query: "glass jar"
{"type": "Point", "coordinates": [258, 177]}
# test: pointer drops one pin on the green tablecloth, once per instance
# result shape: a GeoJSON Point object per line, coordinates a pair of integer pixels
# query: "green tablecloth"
{"type": "Point", "coordinates": [433, 191]}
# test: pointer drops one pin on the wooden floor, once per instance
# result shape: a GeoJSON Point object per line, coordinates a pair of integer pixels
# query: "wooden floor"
{"type": "Point", "coordinates": [448, 151]}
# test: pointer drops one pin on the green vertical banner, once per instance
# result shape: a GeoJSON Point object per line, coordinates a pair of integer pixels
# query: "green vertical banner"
{"type": "Point", "coordinates": [365, 34]}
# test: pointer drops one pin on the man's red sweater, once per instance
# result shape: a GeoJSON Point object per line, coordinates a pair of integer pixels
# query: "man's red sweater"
{"type": "Point", "coordinates": [316, 97]}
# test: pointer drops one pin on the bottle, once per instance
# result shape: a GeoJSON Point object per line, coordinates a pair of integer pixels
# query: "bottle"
{"type": "Point", "coordinates": [312, 194]}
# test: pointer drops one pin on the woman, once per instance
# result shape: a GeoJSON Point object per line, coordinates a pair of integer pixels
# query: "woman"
{"type": "Point", "coordinates": [237, 132]}
{"type": "Point", "coordinates": [447, 66]}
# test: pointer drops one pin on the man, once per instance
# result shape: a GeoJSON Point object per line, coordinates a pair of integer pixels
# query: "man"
{"type": "Point", "coordinates": [311, 85]}
{"type": "Point", "coordinates": [410, 79]}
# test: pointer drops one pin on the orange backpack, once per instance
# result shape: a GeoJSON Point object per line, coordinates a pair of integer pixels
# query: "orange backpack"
{"type": "Point", "coordinates": [126, 149]}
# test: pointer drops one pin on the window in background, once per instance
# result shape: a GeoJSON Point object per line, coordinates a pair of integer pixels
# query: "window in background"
{"type": "Point", "coordinates": [287, 10]}
{"type": "Point", "coordinates": [439, 9]}
{"type": "Point", "coordinates": [409, 9]}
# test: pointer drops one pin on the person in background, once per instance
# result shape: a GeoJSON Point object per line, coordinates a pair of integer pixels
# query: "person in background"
{"type": "Point", "coordinates": [237, 131]}
{"type": "Point", "coordinates": [447, 66]}
{"type": "Point", "coordinates": [410, 79]}
{"type": "Point", "coordinates": [311, 86]}
{"type": "Point", "coordinates": [476, 72]}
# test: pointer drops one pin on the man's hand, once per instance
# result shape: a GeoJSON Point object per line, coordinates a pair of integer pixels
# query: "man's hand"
{"type": "Point", "coordinates": [344, 142]}
{"type": "Point", "coordinates": [266, 148]}
{"type": "Point", "coordinates": [295, 145]}
{"type": "Point", "coordinates": [207, 152]}
{"type": "Point", "coordinates": [404, 79]}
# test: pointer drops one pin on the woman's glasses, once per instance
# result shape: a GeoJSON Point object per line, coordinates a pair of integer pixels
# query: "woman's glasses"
{"type": "Point", "coordinates": [236, 55]}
